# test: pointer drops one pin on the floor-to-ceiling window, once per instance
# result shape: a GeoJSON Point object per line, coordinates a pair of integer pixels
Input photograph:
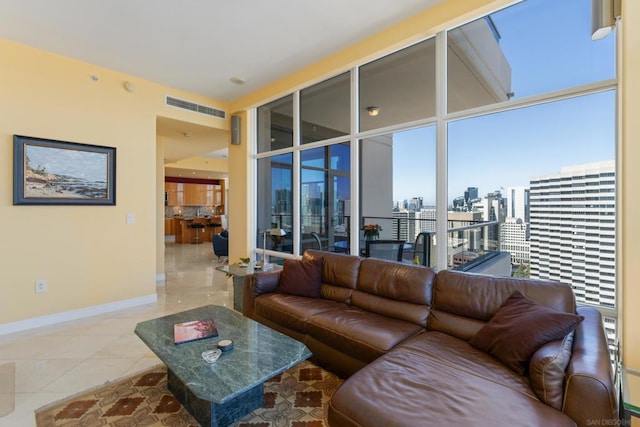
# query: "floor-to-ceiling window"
{"type": "Point", "coordinates": [515, 159]}
{"type": "Point", "coordinates": [325, 194]}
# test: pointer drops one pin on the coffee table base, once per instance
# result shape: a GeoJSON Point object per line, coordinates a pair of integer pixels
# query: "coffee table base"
{"type": "Point", "coordinates": [211, 414]}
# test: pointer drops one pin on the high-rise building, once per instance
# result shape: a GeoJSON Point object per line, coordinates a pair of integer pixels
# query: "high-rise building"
{"type": "Point", "coordinates": [458, 204]}
{"type": "Point", "coordinates": [470, 194]}
{"type": "Point", "coordinates": [426, 219]}
{"type": "Point", "coordinates": [573, 230]}
{"type": "Point", "coordinates": [414, 204]}
{"type": "Point", "coordinates": [404, 225]}
{"type": "Point", "coordinates": [518, 203]}
{"type": "Point", "coordinates": [514, 231]}
{"type": "Point", "coordinates": [514, 238]}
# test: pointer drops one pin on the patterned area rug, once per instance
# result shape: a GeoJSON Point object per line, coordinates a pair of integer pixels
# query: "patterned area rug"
{"type": "Point", "coordinates": [299, 397]}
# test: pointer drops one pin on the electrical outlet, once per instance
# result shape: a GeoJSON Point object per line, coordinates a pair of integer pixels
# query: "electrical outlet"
{"type": "Point", "coordinates": [41, 286]}
{"type": "Point", "coordinates": [131, 218]}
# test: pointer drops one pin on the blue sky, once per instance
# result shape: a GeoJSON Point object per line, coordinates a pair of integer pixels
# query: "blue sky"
{"type": "Point", "coordinates": [548, 45]}
{"type": "Point", "coordinates": [79, 164]}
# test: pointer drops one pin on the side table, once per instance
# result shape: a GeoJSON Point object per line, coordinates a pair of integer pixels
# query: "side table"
{"type": "Point", "coordinates": [239, 272]}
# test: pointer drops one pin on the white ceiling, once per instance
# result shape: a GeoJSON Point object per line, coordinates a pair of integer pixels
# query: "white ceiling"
{"type": "Point", "coordinates": [199, 45]}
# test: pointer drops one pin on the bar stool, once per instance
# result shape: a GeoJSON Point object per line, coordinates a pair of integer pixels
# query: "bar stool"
{"type": "Point", "coordinates": [196, 227]}
{"type": "Point", "coordinates": [213, 226]}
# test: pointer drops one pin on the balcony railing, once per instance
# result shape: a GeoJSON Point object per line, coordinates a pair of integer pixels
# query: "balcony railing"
{"type": "Point", "coordinates": [472, 246]}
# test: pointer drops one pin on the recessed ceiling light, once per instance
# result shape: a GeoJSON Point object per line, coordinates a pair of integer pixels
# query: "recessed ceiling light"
{"type": "Point", "coordinates": [237, 80]}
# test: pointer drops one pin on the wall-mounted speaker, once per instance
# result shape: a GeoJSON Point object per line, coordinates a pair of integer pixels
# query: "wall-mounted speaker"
{"type": "Point", "coordinates": [235, 130]}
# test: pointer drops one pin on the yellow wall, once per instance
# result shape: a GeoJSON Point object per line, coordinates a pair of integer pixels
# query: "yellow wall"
{"type": "Point", "coordinates": [201, 163]}
{"type": "Point", "coordinates": [88, 254]}
{"type": "Point", "coordinates": [629, 256]}
{"type": "Point", "coordinates": [240, 216]}
{"type": "Point", "coordinates": [455, 12]}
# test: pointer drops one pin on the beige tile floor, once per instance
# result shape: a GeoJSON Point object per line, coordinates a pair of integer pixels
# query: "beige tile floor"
{"type": "Point", "coordinates": [46, 364]}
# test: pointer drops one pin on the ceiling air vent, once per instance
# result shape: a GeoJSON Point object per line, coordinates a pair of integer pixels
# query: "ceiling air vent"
{"type": "Point", "coordinates": [192, 106]}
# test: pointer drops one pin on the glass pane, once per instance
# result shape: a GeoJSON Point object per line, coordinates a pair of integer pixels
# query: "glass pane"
{"type": "Point", "coordinates": [275, 125]}
{"type": "Point", "coordinates": [398, 186]}
{"type": "Point", "coordinates": [533, 47]}
{"type": "Point", "coordinates": [325, 195]}
{"type": "Point", "coordinates": [275, 201]}
{"type": "Point", "coordinates": [547, 174]}
{"type": "Point", "coordinates": [401, 86]}
{"type": "Point", "coordinates": [324, 109]}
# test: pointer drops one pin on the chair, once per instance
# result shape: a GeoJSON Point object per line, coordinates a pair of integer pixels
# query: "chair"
{"type": "Point", "coordinates": [196, 227]}
{"type": "Point", "coordinates": [213, 226]}
{"type": "Point", "coordinates": [385, 249]}
{"type": "Point", "coordinates": [316, 236]}
{"type": "Point", "coordinates": [220, 245]}
{"type": "Point", "coordinates": [422, 247]}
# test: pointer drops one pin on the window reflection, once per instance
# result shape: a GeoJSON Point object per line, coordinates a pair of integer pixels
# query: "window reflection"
{"type": "Point", "coordinates": [324, 110]}
{"type": "Point", "coordinates": [530, 48]}
{"type": "Point", "coordinates": [275, 125]}
{"type": "Point", "coordinates": [401, 85]}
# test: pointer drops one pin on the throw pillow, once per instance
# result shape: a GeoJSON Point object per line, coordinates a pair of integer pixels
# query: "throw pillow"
{"type": "Point", "coordinates": [547, 370]}
{"type": "Point", "coordinates": [301, 277]}
{"type": "Point", "coordinates": [519, 328]}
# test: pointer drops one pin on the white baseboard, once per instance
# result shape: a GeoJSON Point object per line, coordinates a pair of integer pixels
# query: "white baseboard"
{"type": "Point", "coordinates": [36, 322]}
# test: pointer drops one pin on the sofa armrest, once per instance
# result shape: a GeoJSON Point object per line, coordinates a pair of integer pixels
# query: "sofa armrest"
{"type": "Point", "coordinates": [257, 284]}
{"type": "Point", "coordinates": [590, 395]}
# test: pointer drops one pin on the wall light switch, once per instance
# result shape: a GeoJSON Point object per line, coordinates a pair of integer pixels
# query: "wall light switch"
{"type": "Point", "coordinates": [131, 218]}
{"type": "Point", "coordinates": [41, 286]}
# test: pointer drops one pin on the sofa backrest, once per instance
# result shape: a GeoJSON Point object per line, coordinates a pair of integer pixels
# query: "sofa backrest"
{"type": "Point", "coordinates": [464, 302]}
{"type": "Point", "coordinates": [392, 289]}
{"type": "Point", "coordinates": [339, 274]}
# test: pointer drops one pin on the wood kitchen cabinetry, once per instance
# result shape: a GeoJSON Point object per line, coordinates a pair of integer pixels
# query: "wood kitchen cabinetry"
{"type": "Point", "coordinates": [174, 193]}
{"type": "Point", "coordinates": [189, 194]}
{"type": "Point", "coordinates": [169, 227]}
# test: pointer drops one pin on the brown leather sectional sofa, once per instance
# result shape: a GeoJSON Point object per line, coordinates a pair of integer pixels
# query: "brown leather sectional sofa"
{"type": "Point", "coordinates": [401, 334]}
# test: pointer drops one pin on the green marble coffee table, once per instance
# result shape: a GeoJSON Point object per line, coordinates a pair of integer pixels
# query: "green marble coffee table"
{"type": "Point", "coordinates": [219, 394]}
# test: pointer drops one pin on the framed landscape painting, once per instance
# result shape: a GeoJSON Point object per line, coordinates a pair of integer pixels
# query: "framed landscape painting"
{"type": "Point", "coordinates": [49, 172]}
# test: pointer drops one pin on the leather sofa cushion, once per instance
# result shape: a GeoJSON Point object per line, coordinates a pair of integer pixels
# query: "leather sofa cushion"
{"type": "Point", "coordinates": [463, 302]}
{"type": "Point", "coordinates": [264, 282]}
{"type": "Point", "coordinates": [395, 281]}
{"type": "Point", "coordinates": [401, 310]}
{"type": "Point", "coordinates": [338, 269]}
{"type": "Point", "coordinates": [291, 311]}
{"type": "Point", "coordinates": [359, 333]}
{"type": "Point", "coordinates": [436, 380]}
{"type": "Point", "coordinates": [519, 328]}
{"type": "Point", "coordinates": [547, 370]}
{"type": "Point", "coordinates": [301, 277]}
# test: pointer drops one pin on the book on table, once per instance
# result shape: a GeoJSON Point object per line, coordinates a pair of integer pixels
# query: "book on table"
{"type": "Point", "coordinates": [194, 330]}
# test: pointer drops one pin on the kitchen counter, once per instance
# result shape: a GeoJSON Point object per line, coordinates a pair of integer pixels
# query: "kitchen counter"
{"type": "Point", "coordinates": [185, 234]}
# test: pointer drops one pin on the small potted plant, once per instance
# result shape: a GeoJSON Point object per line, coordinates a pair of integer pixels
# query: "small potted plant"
{"type": "Point", "coordinates": [371, 231]}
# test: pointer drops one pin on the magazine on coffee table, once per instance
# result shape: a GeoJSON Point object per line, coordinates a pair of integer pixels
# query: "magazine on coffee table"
{"type": "Point", "coordinates": [195, 330]}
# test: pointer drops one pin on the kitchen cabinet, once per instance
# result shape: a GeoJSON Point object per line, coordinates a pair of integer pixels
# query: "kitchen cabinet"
{"type": "Point", "coordinates": [196, 195]}
{"type": "Point", "coordinates": [190, 194]}
{"type": "Point", "coordinates": [174, 193]}
{"type": "Point", "coordinates": [169, 227]}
